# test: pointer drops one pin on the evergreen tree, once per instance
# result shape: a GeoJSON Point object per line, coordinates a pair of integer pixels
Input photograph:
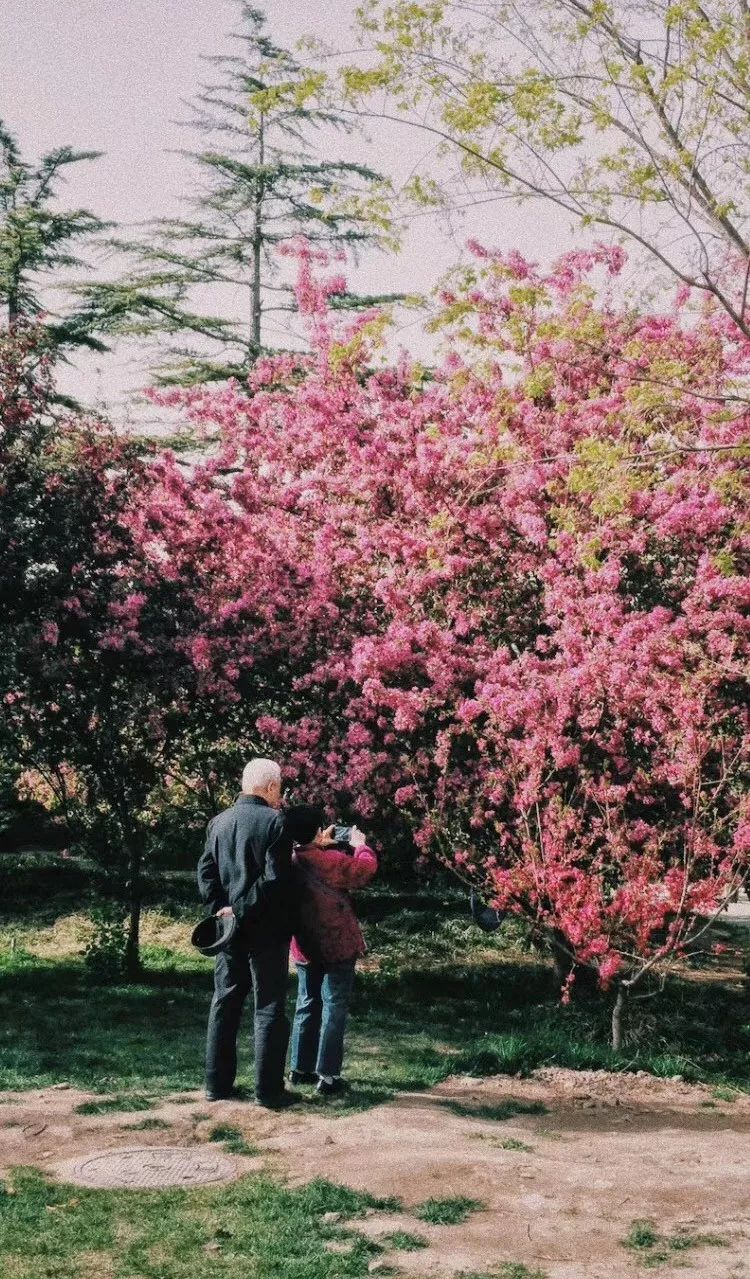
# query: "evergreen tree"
{"type": "Point", "coordinates": [38, 241]}
{"type": "Point", "coordinates": [260, 182]}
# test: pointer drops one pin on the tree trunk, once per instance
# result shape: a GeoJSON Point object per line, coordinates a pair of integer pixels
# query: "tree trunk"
{"type": "Point", "coordinates": [134, 890]}
{"type": "Point", "coordinates": [618, 1017]}
{"type": "Point", "coordinates": [562, 966]}
{"type": "Point", "coordinates": [561, 959]}
{"type": "Point", "coordinates": [14, 288]}
{"type": "Point", "coordinates": [563, 963]}
{"type": "Point", "coordinates": [256, 318]}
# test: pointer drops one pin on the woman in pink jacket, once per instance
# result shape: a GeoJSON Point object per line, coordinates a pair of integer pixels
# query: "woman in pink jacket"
{"type": "Point", "coordinates": [327, 943]}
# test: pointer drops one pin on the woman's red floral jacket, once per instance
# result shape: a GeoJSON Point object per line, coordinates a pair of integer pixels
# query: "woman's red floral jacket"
{"type": "Point", "coordinates": [327, 930]}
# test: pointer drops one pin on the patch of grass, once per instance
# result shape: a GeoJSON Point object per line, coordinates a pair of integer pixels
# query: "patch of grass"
{"type": "Point", "coordinates": [722, 1093]}
{"type": "Point", "coordinates": [403, 1241]}
{"type": "Point", "coordinates": [499, 1111]}
{"type": "Point", "coordinates": [642, 1234]}
{"type": "Point", "coordinates": [109, 1105]}
{"type": "Point", "coordinates": [232, 1139]}
{"type": "Point", "coordinates": [358, 1097]}
{"type": "Point", "coordinates": [698, 1032]}
{"type": "Point", "coordinates": [509, 1143]}
{"type": "Point", "coordinates": [326, 1196]}
{"type": "Point", "coordinates": [434, 996]}
{"type": "Point", "coordinates": [447, 1212]}
{"type": "Point", "coordinates": [254, 1226]}
{"type": "Point", "coordinates": [146, 1125]}
{"type": "Point", "coordinates": [655, 1249]}
{"type": "Point", "coordinates": [154, 1027]}
{"type": "Point", "coordinates": [506, 1270]}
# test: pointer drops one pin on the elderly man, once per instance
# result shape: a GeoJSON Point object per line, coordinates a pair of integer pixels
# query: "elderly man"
{"type": "Point", "coordinates": [245, 870]}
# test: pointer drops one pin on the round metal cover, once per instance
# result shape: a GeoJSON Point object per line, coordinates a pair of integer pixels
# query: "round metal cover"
{"type": "Point", "coordinates": [150, 1167]}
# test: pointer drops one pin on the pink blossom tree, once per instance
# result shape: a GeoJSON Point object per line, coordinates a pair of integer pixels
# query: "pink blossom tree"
{"type": "Point", "coordinates": [506, 602]}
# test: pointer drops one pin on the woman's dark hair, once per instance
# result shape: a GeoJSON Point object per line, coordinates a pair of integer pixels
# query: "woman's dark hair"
{"type": "Point", "coordinates": [303, 821]}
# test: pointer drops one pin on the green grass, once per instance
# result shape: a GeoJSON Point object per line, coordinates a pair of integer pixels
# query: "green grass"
{"type": "Point", "coordinates": [404, 1241]}
{"type": "Point", "coordinates": [499, 1111]}
{"type": "Point", "coordinates": [722, 1093]}
{"type": "Point", "coordinates": [147, 1125]}
{"type": "Point", "coordinates": [51, 1231]}
{"type": "Point", "coordinates": [233, 1140]}
{"type": "Point", "coordinates": [434, 997]}
{"type": "Point", "coordinates": [510, 1143]}
{"type": "Point", "coordinates": [110, 1105]}
{"type": "Point", "coordinates": [654, 1249]}
{"type": "Point", "coordinates": [447, 1212]}
{"type": "Point", "coordinates": [506, 1270]}
{"type": "Point", "coordinates": [642, 1234]}
{"type": "Point", "coordinates": [360, 1095]}
{"type": "Point", "coordinates": [488, 1005]}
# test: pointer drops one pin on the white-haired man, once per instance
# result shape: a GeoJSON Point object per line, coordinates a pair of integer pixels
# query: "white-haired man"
{"type": "Point", "coordinates": [245, 870]}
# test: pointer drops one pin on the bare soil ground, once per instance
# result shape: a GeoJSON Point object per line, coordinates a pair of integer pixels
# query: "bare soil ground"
{"type": "Point", "coordinates": [559, 1189]}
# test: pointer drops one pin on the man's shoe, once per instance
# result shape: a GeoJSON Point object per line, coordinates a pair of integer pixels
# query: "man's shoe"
{"type": "Point", "coordinates": [334, 1089]}
{"type": "Point", "coordinates": [302, 1077]}
{"type": "Point", "coordinates": [238, 1092]}
{"type": "Point", "coordinates": [280, 1101]}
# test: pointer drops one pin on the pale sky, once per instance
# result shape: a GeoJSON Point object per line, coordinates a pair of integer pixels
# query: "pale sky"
{"type": "Point", "coordinates": [110, 75]}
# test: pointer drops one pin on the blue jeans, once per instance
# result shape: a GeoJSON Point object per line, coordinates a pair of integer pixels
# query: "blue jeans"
{"type": "Point", "coordinates": [320, 1017]}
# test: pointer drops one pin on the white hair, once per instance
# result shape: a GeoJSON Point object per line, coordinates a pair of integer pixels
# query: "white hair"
{"type": "Point", "coordinates": [259, 774]}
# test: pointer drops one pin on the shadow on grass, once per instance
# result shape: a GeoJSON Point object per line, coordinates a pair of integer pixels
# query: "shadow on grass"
{"type": "Point", "coordinates": [56, 1025]}
{"type": "Point", "coordinates": [436, 997]}
{"type": "Point", "coordinates": [508, 1109]}
{"type": "Point", "coordinates": [445, 999]}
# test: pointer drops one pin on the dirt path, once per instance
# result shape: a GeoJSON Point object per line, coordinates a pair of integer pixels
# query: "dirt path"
{"type": "Point", "coordinates": [560, 1189]}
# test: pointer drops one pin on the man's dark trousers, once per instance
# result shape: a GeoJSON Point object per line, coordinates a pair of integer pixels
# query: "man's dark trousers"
{"type": "Point", "coordinates": [237, 970]}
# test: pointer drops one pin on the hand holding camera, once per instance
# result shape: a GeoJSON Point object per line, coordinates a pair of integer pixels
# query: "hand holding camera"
{"type": "Point", "coordinates": [345, 838]}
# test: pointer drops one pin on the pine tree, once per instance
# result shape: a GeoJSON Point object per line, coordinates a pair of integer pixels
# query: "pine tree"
{"type": "Point", "coordinates": [39, 241]}
{"type": "Point", "coordinates": [260, 182]}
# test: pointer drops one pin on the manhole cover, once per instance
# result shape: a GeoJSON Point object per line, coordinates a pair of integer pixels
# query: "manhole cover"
{"type": "Point", "coordinates": [148, 1167]}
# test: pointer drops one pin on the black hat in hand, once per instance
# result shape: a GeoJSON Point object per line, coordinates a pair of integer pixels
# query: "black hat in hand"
{"type": "Point", "coordinates": [214, 934]}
